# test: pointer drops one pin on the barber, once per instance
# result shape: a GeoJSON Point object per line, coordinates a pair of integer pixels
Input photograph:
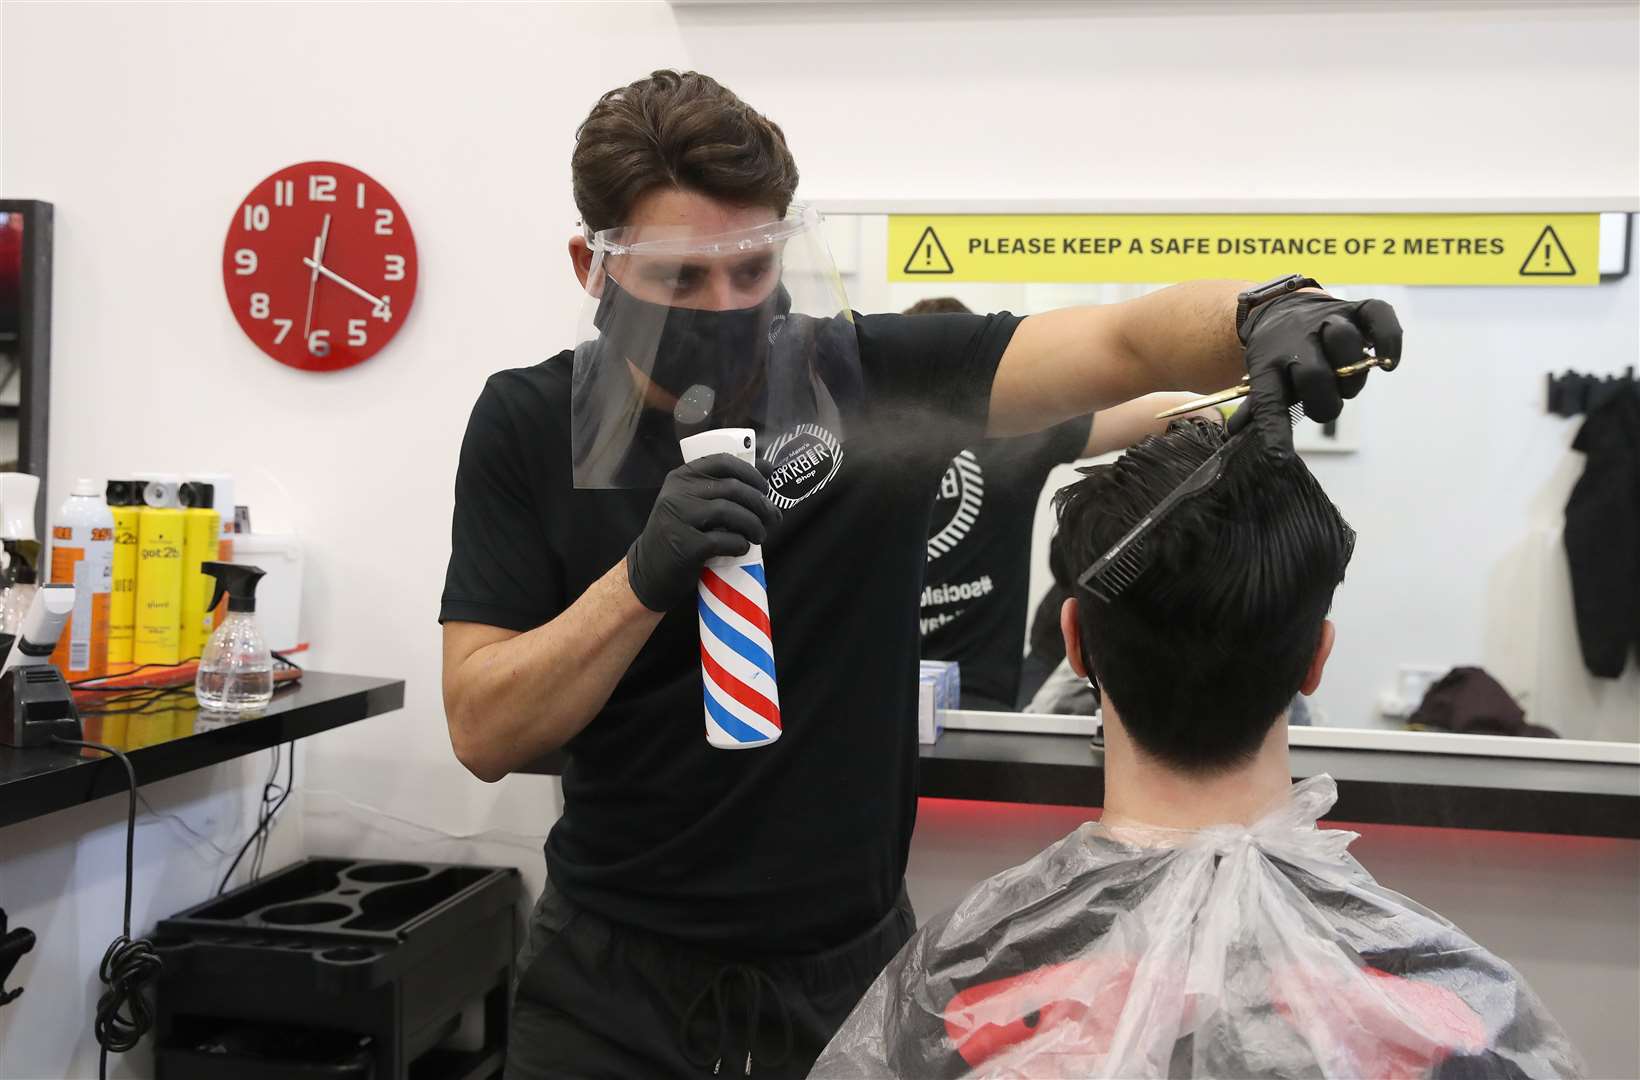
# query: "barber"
{"type": "Point", "coordinates": [712, 912]}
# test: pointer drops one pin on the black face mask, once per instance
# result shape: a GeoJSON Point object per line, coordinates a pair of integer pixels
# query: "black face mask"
{"type": "Point", "coordinates": [724, 351]}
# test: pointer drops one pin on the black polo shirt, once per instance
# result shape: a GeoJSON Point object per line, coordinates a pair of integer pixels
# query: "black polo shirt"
{"type": "Point", "coordinates": [802, 844]}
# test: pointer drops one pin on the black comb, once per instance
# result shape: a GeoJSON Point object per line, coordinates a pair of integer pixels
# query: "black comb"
{"type": "Point", "coordinates": [1120, 566]}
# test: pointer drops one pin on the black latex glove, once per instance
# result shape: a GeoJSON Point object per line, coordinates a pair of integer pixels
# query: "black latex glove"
{"type": "Point", "coordinates": [1293, 344]}
{"type": "Point", "coordinates": [717, 505]}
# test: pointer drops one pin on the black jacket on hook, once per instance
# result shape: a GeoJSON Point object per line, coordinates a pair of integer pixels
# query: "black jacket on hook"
{"type": "Point", "coordinates": [1603, 535]}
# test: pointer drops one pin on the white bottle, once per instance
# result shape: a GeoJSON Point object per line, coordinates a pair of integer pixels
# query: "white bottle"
{"type": "Point", "coordinates": [82, 555]}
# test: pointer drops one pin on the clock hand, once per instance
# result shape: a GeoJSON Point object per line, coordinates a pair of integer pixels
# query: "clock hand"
{"type": "Point", "coordinates": [313, 282]}
{"type": "Point", "coordinates": [320, 268]}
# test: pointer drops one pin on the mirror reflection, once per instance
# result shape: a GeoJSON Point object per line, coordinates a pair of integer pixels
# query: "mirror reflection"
{"type": "Point", "coordinates": [1475, 602]}
{"type": "Point", "coordinates": [11, 335]}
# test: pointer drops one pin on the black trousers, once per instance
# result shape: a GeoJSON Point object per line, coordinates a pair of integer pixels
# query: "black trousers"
{"type": "Point", "coordinates": [599, 1000]}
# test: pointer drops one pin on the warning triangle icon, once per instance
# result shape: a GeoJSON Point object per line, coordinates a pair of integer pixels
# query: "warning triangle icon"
{"type": "Point", "coordinates": [928, 256]}
{"type": "Point", "coordinates": [1548, 257]}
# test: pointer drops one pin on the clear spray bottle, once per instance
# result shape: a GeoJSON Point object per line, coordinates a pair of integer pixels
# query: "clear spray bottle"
{"type": "Point", "coordinates": [236, 670]}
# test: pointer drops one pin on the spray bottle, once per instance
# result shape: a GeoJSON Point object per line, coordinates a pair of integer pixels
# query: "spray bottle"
{"type": "Point", "coordinates": [736, 641]}
{"type": "Point", "coordinates": [236, 672]}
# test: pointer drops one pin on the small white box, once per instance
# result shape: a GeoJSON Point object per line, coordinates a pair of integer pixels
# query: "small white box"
{"type": "Point", "coordinates": [938, 689]}
{"type": "Point", "coordinates": [928, 712]}
{"type": "Point", "coordinates": [279, 594]}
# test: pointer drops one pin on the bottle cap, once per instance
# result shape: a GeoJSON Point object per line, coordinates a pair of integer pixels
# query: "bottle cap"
{"type": "Point", "coordinates": [196, 494]}
{"type": "Point", "coordinates": [85, 486]}
{"type": "Point", "coordinates": [125, 492]}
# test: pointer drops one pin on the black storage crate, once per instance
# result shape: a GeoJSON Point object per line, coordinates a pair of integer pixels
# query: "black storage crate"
{"type": "Point", "coordinates": [391, 953]}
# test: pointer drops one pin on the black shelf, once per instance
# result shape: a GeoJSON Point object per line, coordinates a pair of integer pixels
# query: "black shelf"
{"type": "Point", "coordinates": [1375, 787]}
{"type": "Point", "coordinates": [176, 740]}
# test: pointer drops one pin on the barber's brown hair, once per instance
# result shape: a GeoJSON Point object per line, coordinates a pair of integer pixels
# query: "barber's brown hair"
{"type": "Point", "coordinates": [682, 130]}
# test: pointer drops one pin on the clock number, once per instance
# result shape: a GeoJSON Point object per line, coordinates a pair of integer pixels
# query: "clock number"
{"type": "Point", "coordinates": [284, 193]}
{"type": "Point", "coordinates": [245, 262]}
{"type": "Point", "coordinates": [384, 222]}
{"type": "Point", "coordinates": [321, 189]}
{"type": "Point", "coordinates": [256, 217]}
{"type": "Point", "coordinates": [360, 189]}
{"type": "Point", "coordinates": [284, 326]}
{"type": "Point", "coordinates": [383, 310]}
{"type": "Point", "coordinates": [259, 305]}
{"type": "Point", "coordinates": [319, 343]}
{"type": "Point", "coordinates": [395, 268]}
{"type": "Point", "coordinates": [355, 332]}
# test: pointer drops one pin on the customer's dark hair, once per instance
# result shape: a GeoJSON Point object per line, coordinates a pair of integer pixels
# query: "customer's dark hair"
{"type": "Point", "coordinates": [1205, 649]}
{"type": "Point", "coordinates": [682, 130]}
{"type": "Point", "coordinates": [938, 305]}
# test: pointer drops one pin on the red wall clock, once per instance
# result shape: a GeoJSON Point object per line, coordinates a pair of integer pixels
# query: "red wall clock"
{"type": "Point", "coordinates": [319, 266]}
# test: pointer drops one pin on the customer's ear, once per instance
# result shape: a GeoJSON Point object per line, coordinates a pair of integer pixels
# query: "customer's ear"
{"type": "Point", "coordinates": [1323, 649]}
{"type": "Point", "coordinates": [1071, 630]}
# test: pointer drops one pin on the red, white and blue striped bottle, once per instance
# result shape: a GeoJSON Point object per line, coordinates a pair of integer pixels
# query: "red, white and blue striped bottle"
{"type": "Point", "coordinates": [736, 641]}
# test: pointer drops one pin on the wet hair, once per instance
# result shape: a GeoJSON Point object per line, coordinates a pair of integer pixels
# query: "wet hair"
{"type": "Point", "coordinates": [1203, 652]}
{"type": "Point", "coordinates": [938, 305]}
{"type": "Point", "coordinates": [680, 130]}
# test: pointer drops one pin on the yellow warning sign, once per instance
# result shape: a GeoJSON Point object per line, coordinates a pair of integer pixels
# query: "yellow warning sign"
{"type": "Point", "coordinates": [1376, 249]}
{"type": "Point", "coordinates": [1548, 257]}
{"type": "Point", "coordinates": [928, 255]}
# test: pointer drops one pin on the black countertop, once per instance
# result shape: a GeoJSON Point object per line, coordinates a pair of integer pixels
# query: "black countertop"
{"type": "Point", "coordinates": [172, 737]}
{"type": "Point", "coordinates": [1375, 787]}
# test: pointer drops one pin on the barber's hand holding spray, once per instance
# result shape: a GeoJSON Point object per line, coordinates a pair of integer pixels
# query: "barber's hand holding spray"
{"type": "Point", "coordinates": [704, 536]}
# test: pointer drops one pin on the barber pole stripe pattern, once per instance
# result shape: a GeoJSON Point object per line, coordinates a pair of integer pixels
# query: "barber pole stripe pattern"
{"type": "Point", "coordinates": [737, 656]}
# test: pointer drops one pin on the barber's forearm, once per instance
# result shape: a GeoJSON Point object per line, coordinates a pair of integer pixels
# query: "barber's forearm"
{"type": "Point", "coordinates": [514, 700]}
{"type": "Point", "coordinates": [1073, 361]}
{"type": "Point", "coordinates": [1185, 335]}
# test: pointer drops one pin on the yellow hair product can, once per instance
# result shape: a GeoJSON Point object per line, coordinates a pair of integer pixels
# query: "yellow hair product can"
{"type": "Point", "coordinates": [219, 489]}
{"type": "Point", "coordinates": [200, 529]}
{"type": "Point", "coordinates": [125, 503]}
{"type": "Point", "coordinates": [157, 635]}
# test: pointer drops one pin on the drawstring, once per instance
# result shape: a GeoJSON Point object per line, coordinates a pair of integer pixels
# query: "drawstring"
{"type": "Point", "coordinates": [752, 981]}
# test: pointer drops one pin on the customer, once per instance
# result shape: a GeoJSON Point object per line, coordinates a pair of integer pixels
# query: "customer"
{"type": "Point", "coordinates": [1204, 926]}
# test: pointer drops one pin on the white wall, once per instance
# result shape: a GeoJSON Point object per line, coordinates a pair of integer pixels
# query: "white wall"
{"type": "Point", "coordinates": [146, 125]}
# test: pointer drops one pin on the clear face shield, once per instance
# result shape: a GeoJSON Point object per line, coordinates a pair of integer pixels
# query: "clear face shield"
{"type": "Point", "coordinates": [684, 332]}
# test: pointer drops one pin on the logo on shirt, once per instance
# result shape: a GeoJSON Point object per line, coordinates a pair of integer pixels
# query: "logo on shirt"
{"type": "Point", "coordinates": [802, 462]}
{"type": "Point", "coordinates": [952, 593]}
{"type": "Point", "coordinates": [956, 507]}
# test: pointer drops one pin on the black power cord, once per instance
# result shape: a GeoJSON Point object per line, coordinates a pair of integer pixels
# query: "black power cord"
{"type": "Point", "coordinates": [124, 1014]}
{"type": "Point", "coordinates": [265, 816]}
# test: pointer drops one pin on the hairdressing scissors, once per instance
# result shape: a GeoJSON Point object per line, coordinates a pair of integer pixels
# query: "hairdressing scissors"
{"type": "Point", "coordinates": [1243, 388]}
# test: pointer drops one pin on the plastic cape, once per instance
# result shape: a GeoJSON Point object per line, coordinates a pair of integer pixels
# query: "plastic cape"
{"type": "Point", "coordinates": [1265, 951]}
